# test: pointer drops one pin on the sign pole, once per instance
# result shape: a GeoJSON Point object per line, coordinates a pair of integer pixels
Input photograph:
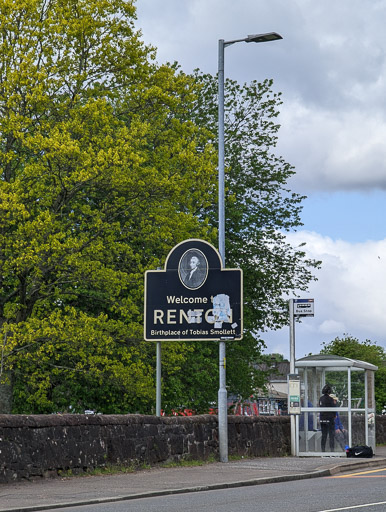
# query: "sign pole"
{"type": "Point", "coordinates": [292, 335]}
{"type": "Point", "coordinates": [222, 405]}
{"type": "Point", "coordinates": [158, 380]}
{"type": "Point", "coordinates": [292, 370]}
{"type": "Point", "coordinates": [222, 392]}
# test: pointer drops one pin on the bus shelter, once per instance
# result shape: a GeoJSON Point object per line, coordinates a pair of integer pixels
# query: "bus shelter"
{"type": "Point", "coordinates": [352, 384]}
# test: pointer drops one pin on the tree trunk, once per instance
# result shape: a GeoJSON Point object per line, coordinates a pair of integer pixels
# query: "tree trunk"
{"type": "Point", "coordinates": [6, 394]}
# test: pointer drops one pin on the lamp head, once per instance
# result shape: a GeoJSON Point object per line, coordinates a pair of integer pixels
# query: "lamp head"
{"type": "Point", "coordinates": [262, 38]}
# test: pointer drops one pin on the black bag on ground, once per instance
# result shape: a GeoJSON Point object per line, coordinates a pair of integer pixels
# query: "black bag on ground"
{"type": "Point", "coordinates": [360, 451]}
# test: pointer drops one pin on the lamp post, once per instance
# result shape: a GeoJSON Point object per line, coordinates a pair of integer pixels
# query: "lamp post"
{"type": "Point", "coordinates": [222, 392]}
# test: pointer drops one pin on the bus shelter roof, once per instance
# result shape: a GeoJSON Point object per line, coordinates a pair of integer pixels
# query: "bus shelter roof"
{"type": "Point", "coordinates": [331, 361]}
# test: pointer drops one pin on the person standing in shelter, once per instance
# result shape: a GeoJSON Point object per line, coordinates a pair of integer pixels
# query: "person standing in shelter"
{"type": "Point", "coordinates": [327, 419]}
{"type": "Point", "coordinates": [341, 434]}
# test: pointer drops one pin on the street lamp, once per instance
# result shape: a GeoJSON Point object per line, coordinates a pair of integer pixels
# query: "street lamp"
{"type": "Point", "coordinates": [254, 38]}
{"type": "Point", "coordinates": [222, 393]}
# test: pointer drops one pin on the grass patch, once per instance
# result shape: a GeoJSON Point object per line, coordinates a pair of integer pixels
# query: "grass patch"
{"type": "Point", "coordinates": [194, 462]}
{"type": "Point", "coordinates": [188, 462]}
{"type": "Point", "coordinates": [238, 457]}
{"type": "Point", "coordinates": [108, 469]}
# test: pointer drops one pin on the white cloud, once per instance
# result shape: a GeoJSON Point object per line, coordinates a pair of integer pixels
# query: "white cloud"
{"type": "Point", "coordinates": [350, 294]}
{"type": "Point", "coordinates": [331, 327]}
{"type": "Point", "coordinates": [330, 151]}
{"type": "Point", "coordinates": [351, 281]}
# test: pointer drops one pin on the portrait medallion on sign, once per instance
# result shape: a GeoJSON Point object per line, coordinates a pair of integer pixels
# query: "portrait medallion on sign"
{"type": "Point", "coordinates": [193, 269]}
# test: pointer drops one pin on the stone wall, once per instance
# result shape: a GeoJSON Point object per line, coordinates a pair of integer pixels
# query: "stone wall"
{"type": "Point", "coordinates": [46, 445]}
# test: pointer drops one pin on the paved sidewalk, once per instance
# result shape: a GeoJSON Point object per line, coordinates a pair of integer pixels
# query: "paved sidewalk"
{"type": "Point", "coordinates": [63, 492]}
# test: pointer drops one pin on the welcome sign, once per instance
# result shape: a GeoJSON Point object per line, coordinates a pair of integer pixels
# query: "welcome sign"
{"type": "Point", "coordinates": [193, 297]}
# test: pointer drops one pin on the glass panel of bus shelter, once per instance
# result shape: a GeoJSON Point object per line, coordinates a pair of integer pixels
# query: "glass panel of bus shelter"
{"type": "Point", "coordinates": [358, 390]}
{"type": "Point", "coordinates": [370, 390]}
{"type": "Point", "coordinates": [358, 428]}
{"type": "Point", "coordinates": [338, 380]}
{"type": "Point", "coordinates": [311, 383]}
{"type": "Point", "coordinates": [371, 430]}
{"type": "Point", "coordinates": [371, 408]}
{"type": "Point", "coordinates": [307, 420]}
{"type": "Point", "coordinates": [309, 441]}
{"type": "Point", "coordinates": [341, 431]}
{"type": "Point", "coordinates": [309, 431]}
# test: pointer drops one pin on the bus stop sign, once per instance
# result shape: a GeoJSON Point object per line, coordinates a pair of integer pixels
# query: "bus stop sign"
{"type": "Point", "coordinates": [304, 307]}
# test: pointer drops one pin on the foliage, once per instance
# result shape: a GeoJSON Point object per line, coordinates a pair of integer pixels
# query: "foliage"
{"type": "Point", "coordinates": [194, 385]}
{"type": "Point", "coordinates": [363, 351]}
{"type": "Point", "coordinates": [99, 178]}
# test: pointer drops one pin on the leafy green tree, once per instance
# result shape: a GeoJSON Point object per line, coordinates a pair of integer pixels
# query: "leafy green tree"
{"type": "Point", "coordinates": [368, 351]}
{"type": "Point", "coordinates": [99, 178]}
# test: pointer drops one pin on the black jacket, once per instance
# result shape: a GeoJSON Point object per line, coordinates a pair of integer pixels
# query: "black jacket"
{"type": "Point", "coordinates": [327, 401]}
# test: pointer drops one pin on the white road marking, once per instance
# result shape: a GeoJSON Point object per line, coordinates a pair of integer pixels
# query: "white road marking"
{"type": "Point", "coordinates": [354, 506]}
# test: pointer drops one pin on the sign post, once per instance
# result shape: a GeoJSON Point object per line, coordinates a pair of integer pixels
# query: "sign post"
{"type": "Point", "coordinates": [158, 380]}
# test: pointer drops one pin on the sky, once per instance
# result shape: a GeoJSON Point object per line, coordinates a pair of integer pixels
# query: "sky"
{"type": "Point", "coordinates": [330, 67]}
